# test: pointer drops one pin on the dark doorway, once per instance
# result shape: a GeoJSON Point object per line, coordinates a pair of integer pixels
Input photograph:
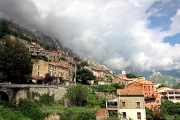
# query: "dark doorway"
{"type": "Point", "coordinates": [4, 96]}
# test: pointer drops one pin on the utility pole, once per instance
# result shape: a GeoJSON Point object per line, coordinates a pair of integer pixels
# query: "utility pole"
{"type": "Point", "coordinates": [75, 74]}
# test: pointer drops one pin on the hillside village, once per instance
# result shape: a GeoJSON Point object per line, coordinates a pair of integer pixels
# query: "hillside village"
{"type": "Point", "coordinates": [130, 102]}
{"type": "Point", "coordinates": [137, 95]}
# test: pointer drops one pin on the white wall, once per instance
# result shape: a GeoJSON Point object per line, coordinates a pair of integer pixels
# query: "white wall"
{"type": "Point", "coordinates": [132, 113]}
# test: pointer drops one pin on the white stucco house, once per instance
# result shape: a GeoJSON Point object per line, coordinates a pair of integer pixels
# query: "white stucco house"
{"type": "Point", "coordinates": [131, 104]}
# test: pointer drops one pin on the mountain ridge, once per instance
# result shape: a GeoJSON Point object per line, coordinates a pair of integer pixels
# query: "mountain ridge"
{"type": "Point", "coordinates": [40, 36]}
{"type": "Point", "coordinates": [168, 80]}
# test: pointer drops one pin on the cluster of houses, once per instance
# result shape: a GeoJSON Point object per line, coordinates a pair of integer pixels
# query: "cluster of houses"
{"type": "Point", "coordinates": [139, 94]}
{"type": "Point", "coordinates": [62, 69]}
{"type": "Point", "coordinates": [130, 102]}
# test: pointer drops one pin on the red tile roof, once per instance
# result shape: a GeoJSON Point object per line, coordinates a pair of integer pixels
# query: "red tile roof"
{"type": "Point", "coordinates": [101, 112]}
{"type": "Point", "coordinates": [130, 92]}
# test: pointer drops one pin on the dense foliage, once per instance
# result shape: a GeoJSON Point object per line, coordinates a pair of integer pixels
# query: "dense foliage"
{"type": "Point", "coordinates": [8, 114]}
{"type": "Point", "coordinates": [108, 88]}
{"type": "Point", "coordinates": [162, 85]}
{"type": "Point", "coordinates": [84, 75]}
{"type": "Point", "coordinates": [82, 64]}
{"type": "Point", "coordinates": [167, 111]}
{"type": "Point", "coordinates": [4, 30]}
{"type": "Point", "coordinates": [24, 110]}
{"type": "Point", "coordinates": [77, 95]}
{"type": "Point", "coordinates": [170, 108]}
{"type": "Point", "coordinates": [30, 109]}
{"type": "Point", "coordinates": [131, 75]}
{"type": "Point", "coordinates": [76, 115]}
{"type": "Point", "coordinates": [15, 60]}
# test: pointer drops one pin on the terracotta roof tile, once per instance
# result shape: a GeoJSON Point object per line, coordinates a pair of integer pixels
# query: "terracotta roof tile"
{"type": "Point", "coordinates": [129, 92]}
{"type": "Point", "coordinates": [101, 112]}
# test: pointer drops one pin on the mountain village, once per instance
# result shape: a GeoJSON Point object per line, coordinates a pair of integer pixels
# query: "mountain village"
{"type": "Point", "coordinates": [130, 102]}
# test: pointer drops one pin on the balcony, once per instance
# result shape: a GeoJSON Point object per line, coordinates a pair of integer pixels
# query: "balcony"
{"type": "Point", "coordinates": [173, 95]}
{"type": "Point", "coordinates": [111, 105]}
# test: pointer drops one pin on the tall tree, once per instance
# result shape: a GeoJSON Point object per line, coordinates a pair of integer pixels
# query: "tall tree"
{"type": "Point", "coordinates": [3, 29]}
{"type": "Point", "coordinates": [131, 75]}
{"type": "Point", "coordinates": [77, 95]}
{"type": "Point", "coordinates": [48, 79]}
{"type": "Point", "coordinates": [84, 75]}
{"type": "Point", "coordinates": [15, 60]}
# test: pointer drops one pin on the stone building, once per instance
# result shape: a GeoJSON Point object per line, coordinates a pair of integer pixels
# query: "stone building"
{"type": "Point", "coordinates": [169, 94]}
{"type": "Point", "coordinates": [58, 70]}
{"type": "Point", "coordinates": [148, 90]}
{"type": "Point", "coordinates": [131, 104]}
{"type": "Point", "coordinates": [123, 79]}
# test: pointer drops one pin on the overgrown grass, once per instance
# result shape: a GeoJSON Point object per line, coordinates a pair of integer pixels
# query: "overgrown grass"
{"type": "Point", "coordinates": [57, 108]}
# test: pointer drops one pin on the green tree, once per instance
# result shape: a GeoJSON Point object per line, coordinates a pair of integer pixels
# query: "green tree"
{"type": "Point", "coordinates": [92, 99]}
{"type": "Point", "coordinates": [149, 114]}
{"type": "Point", "coordinates": [15, 60]}
{"type": "Point", "coordinates": [118, 86]}
{"type": "Point", "coordinates": [8, 114]}
{"type": "Point", "coordinates": [77, 94]}
{"type": "Point", "coordinates": [162, 85]}
{"type": "Point", "coordinates": [3, 29]}
{"type": "Point", "coordinates": [176, 117]}
{"type": "Point", "coordinates": [131, 75]}
{"type": "Point", "coordinates": [30, 109]}
{"type": "Point", "coordinates": [62, 58]}
{"type": "Point", "coordinates": [82, 64]}
{"type": "Point", "coordinates": [84, 75]}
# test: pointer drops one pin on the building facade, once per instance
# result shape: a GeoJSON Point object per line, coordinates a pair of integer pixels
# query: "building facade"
{"type": "Point", "coordinates": [131, 104]}
{"type": "Point", "coordinates": [148, 90]}
{"type": "Point", "coordinates": [169, 94]}
{"type": "Point", "coordinates": [59, 71]}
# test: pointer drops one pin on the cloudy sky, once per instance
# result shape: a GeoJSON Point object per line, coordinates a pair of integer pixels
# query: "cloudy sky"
{"type": "Point", "coordinates": [139, 35]}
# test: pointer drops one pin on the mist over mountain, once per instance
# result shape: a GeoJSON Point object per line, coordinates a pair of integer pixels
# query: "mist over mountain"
{"type": "Point", "coordinates": [168, 77]}
{"type": "Point", "coordinates": [173, 73]}
{"type": "Point", "coordinates": [40, 36]}
{"type": "Point", "coordinates": [119, 34]}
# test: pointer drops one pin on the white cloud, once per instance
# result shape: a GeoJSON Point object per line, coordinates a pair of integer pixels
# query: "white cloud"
{"type": "Point", "coordinates": [114, 33]}
{"type": "Point", "coordinates": [174, 27]}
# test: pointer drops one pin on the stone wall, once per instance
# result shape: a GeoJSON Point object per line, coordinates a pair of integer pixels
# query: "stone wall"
{"type": "Point", "coordinates": [109, 96]}
{"type": "Point", "coordinates": [58, 92]}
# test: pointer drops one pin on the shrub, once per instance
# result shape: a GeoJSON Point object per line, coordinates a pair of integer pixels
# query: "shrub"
{"type": "Point", "coordinates": [74, 115]}
{"type": "Point", "coordinates": [30, 109]}
{"type": "Point", "coordinates": [46, 99]}
{"type": "Point", "coordinates": [102, 102]}
{"type": "Point", "coordinates": [8, 114]}
{"type": "Point", "coordinates": [92, 99]}
{"type": "Point", "coordinates": [77, 94]}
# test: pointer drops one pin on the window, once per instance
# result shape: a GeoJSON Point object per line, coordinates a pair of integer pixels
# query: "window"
{"type": "Point", "coordinates": [123, 104]}
{"type": "Point", "coordinates": [37, 74]}
{"type": "Point", "coordinates": [138, 104]}
{"type": "Point", "coordinates": [50, 73]}
{"type": "Point", "coordinates": [124, 114]}
{"type": "Point", "coordinates": [138, 115]}
{"type": "Point", "coordinates": [50, 66]}
{"type": "Point", "coordinates": [38, 66]}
